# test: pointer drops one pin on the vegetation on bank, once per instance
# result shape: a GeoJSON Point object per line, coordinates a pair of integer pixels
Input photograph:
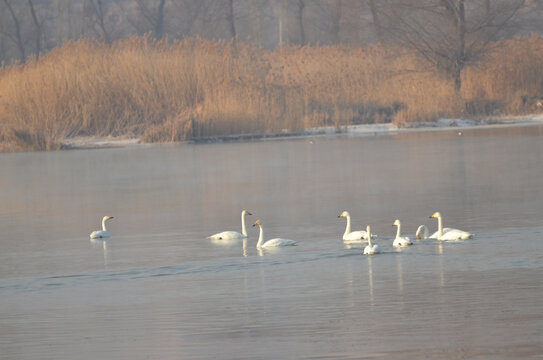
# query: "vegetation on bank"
{"type": "Point", "coordinates": [164, 91]}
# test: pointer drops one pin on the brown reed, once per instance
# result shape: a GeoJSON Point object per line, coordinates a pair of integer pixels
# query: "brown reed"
{"type": "Point", "coordinates": [165, 91]}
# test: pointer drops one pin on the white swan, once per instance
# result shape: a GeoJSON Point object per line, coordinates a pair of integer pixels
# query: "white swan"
{"type": "Point", "coordinates": [450, 234]}
{"type": "Point", "coordinates": [101, 233]}
{"type": "Point", "coordinates": [423, 233]}
{"type": "Point", "coordinates": [230, 235]}
{"type": "Point", "coordinates": [371, 249]}
{"type": "Point", "coordinates": [354, 236]}
{"type": "Point", "coordinates": [277, 242]}
{"type": "Point", "coordinates": [399, 240]}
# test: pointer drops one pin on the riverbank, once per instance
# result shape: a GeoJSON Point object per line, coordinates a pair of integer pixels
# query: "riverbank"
{"type": "Point", "coordinates": [201, 90]}
{"type": "Point", "coordinates": [441, 125]}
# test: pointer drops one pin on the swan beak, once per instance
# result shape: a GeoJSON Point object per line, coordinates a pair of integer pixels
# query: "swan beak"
{"type": "Point", "coordinates": [418, 237]}
{"type": "Point", "coordinates": [248, 213]}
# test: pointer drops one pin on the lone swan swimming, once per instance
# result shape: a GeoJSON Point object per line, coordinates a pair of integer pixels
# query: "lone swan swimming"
{"type": "Point", "coordinates": [101, 233]}
{"type": "Point", "coordinates": [231, 235]}
{"type": "Point", "coordinates": [277, 242]}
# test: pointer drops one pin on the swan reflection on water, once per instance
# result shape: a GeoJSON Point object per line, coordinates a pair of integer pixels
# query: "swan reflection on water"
{"type": "Point", "coordinates": [370, 275]}
{"type": "Point", "coordinates": [399, 270]}
{"type": "Point", "coordinates": [97, 243]}
{"type": "Point", "coordinates": [233, 242]}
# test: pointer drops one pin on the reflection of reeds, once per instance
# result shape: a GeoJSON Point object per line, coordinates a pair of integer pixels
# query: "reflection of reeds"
{"type": "Point", "coordinates": [170, 91]}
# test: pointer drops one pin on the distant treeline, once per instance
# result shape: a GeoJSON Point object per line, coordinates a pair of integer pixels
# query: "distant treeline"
{"type": "Point", "coordinates": [162, 91]}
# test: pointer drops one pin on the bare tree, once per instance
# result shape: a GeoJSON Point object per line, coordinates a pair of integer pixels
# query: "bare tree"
{"type": "Point", "coordinates": [153, 16]}
{"type": "Point", "coordinates": [38, 24]}
{"type": "Point", "coordinates": [336, 12]}
{"type": "Point", "coordinates": [17, 37]}
{"type": "Point", "coordinates": [95, 12]}
{"type": "Point", "coordinates": [230, 18]}
{"type": "Point", "coordinates": [300, 6]}
{"type": "Point", "coordinates": [376, 19]}
{"type": "Point", "coordinates": [445, 34]}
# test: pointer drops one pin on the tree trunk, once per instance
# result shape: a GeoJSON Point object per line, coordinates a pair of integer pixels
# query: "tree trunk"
{"type": "Point", "coordinates": [230, 18]}
{"type": "Point", "coordinates": [159, 25]}
{"type": "Point", "coordinates": [299, 20]}
{"type": "Point", "coordinates": [39, 28]}
{"type": "Point", "coordinates": [459, 21]}
{"type": "Point", "coordinates": [376, 20]}
{"type": "Point", "coordinates": [18, 36]}
{"type": "Point", "coordinates": [336, 20]}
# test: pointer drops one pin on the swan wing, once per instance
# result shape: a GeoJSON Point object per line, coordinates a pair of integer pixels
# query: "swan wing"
{"type": "Point", "coordinates": [356, 236]}
{"type": "Point", "coordinates": [455, 234]}
{"type": "Point", "coordinates": [434, 235]}
{"type": "Point", "coordinates": [227, 235]}
{"type": "Point", "coordinates": [402, 241]}
{"type": "Point", "coordinates": [375, 249]}
{"type": "Point", "coordinates": [278, 242]}
{"type": "Point", "coordinates": [99, 234]}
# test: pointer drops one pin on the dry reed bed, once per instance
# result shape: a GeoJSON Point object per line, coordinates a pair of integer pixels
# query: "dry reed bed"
{"type": "Point", "coordinates": [161, 91]}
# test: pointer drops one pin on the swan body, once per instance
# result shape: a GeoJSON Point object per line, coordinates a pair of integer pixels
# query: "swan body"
{"type": "Point", "coordinates": [400, 241]}
{"type": "Point", "coordinates": [101, 233]}
{"type": "Point", "coordinates": [277, 242]}
{"type": "Point", "coordinates": [423, 233]}
{"type": "Point", "coordinates": [371, 249]}
{"type": "Point", "coordinates": [450, 234]}
{"type": "Point", "coordinates": [352, 236]}
{"type": "Point", "coordinates": [232, 235]}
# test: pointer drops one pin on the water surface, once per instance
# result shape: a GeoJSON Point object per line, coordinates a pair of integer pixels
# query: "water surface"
{"type": "Point", "coordinates": [159, 289]}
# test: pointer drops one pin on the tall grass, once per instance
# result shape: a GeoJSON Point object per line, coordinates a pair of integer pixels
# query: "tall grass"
{"type": "Point", "coordinates": [171, 91]}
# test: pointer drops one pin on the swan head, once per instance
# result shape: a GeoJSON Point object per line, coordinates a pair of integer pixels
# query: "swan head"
{"type": "Point", "coordinates": [107, 218]}
{"type": "Point", "coordinates": [343, 214]}
{"type": "Point", "coordinates": [257, 223]}
{"type": "Point", "coordinates": [422, 230]}
{"type": "Point", "coordinates": [396, 223]}
{"type": "Point", "coordinates": [245, 212]}
{"type": "Point", "coordinates": [436, 215]}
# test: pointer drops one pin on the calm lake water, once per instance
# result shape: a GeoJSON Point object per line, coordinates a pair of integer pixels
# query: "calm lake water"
{"type": "Point", "coordinates": [158, 289]}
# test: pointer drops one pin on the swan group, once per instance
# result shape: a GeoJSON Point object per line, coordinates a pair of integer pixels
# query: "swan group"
{"type": "Point", "coordinates": [442, 234]}
{"type": "Point", "coordinates": [101, 233]}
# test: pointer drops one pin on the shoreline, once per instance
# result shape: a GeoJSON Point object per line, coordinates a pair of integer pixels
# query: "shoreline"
{"type": "Point", "coordinates": [442, 125]}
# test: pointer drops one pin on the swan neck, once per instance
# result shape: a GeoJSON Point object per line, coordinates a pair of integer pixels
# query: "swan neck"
{"type": "Point", "coordinates": [348, 227]}
{"type": "Point", "coordinates": [369, 236]}
{"type": "Point", "coordinates": [104, 224]}
{"type": "Point", "coordinates": [243, 228]}
{"type": "Point", "coordinates": [260, 237]}
{"type": "Point", "coordinates": [439, 228]}
{"type": "Point", "coordinates": [398, 231]}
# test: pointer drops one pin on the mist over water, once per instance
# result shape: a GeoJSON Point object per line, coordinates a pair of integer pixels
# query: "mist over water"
{"type": "Point", "coordinates": [159, 289]}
